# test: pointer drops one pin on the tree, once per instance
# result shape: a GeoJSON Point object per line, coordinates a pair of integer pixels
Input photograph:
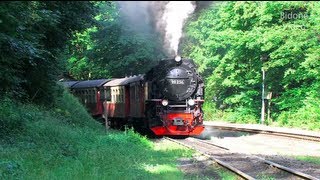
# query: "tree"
{"type": "Point", "coordinates": [229, 39]}
{"type": "Point", "coordinates": [32, 36]}
{"type": "Point", "coordinates": [112, 48]}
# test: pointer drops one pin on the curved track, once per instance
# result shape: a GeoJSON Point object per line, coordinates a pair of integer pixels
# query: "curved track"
{"type": "Point", "coordinates": [246, 166]}
{"type": "Point", "coordinates": [268, 132]}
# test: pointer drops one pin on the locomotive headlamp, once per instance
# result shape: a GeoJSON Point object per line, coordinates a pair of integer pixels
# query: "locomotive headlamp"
{"type": "Point", "coordinates": [177, 58]}
{"type": "Point", "coordinates": [164, 102]}
{"type": "Point", "coordinates": [191, 102]}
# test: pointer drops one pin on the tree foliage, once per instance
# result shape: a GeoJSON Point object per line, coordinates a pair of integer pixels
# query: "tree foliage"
{"type": "Point", "coordinates": [32, 36]}
{"type": "Point", "coordinates": [112, 48]}
{"type": "Point", "coordinates": [232, 41]}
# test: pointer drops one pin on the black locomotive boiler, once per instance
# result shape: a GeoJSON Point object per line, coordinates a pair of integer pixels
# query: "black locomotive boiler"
{"type": "Point", "coordinates": [175, 98]}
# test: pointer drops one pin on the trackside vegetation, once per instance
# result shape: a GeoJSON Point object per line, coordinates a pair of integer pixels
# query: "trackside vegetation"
{"type": "Point", "coordinates": [232, 42]}
{"type": "Point", "coordinates": [66, 143]}
{"type": "Point", "coordinates": [311, 159]}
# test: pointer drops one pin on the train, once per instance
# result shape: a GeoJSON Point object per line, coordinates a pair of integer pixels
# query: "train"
{"type": "Point", "coordinates": [167, 100]}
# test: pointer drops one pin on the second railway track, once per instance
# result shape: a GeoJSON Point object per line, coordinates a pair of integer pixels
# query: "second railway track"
{"type": "Point", "coordinates": [246, 166]}
{"type": "Point", "coordinates": [268, 132]}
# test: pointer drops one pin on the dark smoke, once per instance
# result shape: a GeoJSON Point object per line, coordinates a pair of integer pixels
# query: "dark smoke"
{"type": "Point", "coordinates": [136, 15]}
{"type": "Point", "coordinates": [146, 17]}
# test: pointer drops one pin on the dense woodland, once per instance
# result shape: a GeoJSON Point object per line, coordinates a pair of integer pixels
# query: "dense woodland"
{"type": "Point", "coordinates": [42, 42]}
{"type": "Point", "coordinates": [233, 41]}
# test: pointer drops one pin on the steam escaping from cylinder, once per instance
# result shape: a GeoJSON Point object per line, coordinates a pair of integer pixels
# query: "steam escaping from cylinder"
{"type": "Point", "coordinates": [174, 17]}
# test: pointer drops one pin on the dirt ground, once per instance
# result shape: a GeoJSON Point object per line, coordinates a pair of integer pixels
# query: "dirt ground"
{"type": "Point", "coordinates": [281, 150]}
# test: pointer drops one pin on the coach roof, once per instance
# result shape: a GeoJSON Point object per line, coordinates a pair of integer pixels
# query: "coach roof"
{"type": "Point", "coordinates": [69, 84]}
{"type": "Point", "coordinates": [124, 81]}
{"type": "Point", "coordinates": [90, 83]}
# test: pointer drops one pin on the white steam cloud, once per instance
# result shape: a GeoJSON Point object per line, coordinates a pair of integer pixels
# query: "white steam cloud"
{"type": "Point", "coordinates": [174, 16]}
{"type": "Point", "coordinates": [165, 17]}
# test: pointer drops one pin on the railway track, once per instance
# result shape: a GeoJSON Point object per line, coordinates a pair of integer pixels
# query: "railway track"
{"type": "Point", "coordinates": [246, 166]}
{"type": "Point", "coordinates": [268, 132]}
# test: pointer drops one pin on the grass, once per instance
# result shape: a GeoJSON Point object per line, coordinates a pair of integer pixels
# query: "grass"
{"type": "Point", "coordinates": [66, 143]}
{"type": "Point", "coordinates": [263, 176]}
{"type": "Point", "coordinates": [311, 159]}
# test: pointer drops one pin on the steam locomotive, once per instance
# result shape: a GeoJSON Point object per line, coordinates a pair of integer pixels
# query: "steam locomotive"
{"type": "Point", "coordinates": [166, 100]}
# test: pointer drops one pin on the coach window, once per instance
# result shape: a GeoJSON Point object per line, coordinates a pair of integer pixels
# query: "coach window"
{"type": "Point", "coordinates": [136, 93]}
{"type": "Point", "coordinates": [91, 92]}
{"type": "Point", "coordinates": [121, 95]}
{"type": "Point", "coordinates": [102, 94]}
{"type": "Point", "coordinates": [88, 96]}
{"type": "Point", "coordinates": [94, 95]}
{"type": "Point", "coordinates": [112, 93]}
{"type": "Point", "coordinates": [116, 95]}
{"type": "Point", "coordinates": [108, 94]}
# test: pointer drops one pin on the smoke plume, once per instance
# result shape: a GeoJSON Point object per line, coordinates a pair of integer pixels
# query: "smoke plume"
{"type": "Point", "coordinates": [175, 14]}
{"type": "Point", "coordinates": [164, 17]}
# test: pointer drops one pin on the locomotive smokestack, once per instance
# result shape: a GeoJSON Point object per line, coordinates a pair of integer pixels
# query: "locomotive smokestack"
{"type": "Point", "coordinates": [177, 58]}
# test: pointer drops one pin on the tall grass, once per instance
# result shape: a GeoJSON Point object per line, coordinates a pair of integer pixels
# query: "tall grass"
{"type": "Point", "coordinates": [66, 143]}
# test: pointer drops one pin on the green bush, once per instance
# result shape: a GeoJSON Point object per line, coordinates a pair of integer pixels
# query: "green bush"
{"type": "Point", "coordinates": [239, 115]}
{"type": "Point", "coordinates": [308, 116]}
{"type": "Point", "coordinates": [71, 110]}
{"type": "Point", "coordinates": [10, 122]}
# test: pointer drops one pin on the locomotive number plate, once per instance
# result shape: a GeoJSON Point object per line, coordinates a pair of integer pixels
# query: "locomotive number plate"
{"type": "Point", "coordinates": [177, 81]}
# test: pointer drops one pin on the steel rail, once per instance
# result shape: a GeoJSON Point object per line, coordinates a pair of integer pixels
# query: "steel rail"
{"type": "Point", "coordinates": [292, 171]}
{"type": "Point", "coordinates": [222, 163]}
{"type": "Point", "coordinates": [269, 132]}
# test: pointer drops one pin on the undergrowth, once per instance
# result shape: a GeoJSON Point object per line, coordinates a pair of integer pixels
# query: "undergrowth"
{"type": "Point", "coordinates": [305, 117]}
{"type": "Point", "coordinates": [66, 143]}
